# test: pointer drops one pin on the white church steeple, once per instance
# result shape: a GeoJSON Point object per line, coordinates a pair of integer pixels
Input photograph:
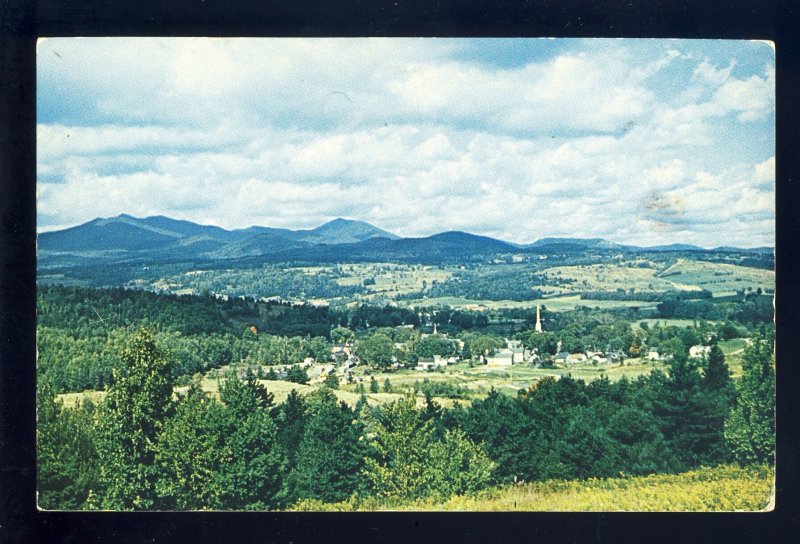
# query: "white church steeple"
{"type": "Point", "coordinates": [538, 327]}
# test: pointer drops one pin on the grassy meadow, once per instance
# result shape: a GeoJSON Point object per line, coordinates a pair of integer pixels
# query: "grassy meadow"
{"type": "Point", "coordinates": [719, 489]}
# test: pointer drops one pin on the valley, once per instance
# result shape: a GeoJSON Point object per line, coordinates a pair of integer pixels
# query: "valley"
{"type": "Point", "coordinates": [574, 345]}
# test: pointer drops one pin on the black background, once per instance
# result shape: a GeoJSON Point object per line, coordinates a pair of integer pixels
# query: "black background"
{"type": "Point", "coordinates": [22, 22]}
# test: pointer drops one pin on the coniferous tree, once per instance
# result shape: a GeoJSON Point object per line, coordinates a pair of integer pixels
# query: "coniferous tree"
{"type": "Point", "coordinates": [408, 461]}
{"type": "Point", "coordinates": [719, 392]}
{"type": "Point", "coordinates": [242, 398]}
{"type": "Point", "coordinates": [362, 406]}
{"type": "Point", "coordinates": [253, 465]}
{"type": "Point", "coordinates": [131, 417]}
{"type": "Point", "coordinates": [297, 374]}
{"type": "Point", "coordinates": [638, 444]}
{"type": "Point", "coordinates": [190, 454]}
{"type": "Point", "coordinates": [330, 456]}
{"type": "Point", "coordinates": [332, 380]}
{"type": "Point", "coordinates": [683, 409]}
{"type": "Point", "coordinates": [512, 438]}
{"type": "Point", "coordinates": [585, 449]}
{"type": "Point", "coordinates": [290, 419]}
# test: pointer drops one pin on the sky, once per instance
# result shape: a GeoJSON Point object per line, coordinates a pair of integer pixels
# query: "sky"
{"type": "Point", "coordinates": [636, 141]}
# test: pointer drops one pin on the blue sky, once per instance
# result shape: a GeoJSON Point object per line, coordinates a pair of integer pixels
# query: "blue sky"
{"type": "Point", "coordinates": [636, 141]}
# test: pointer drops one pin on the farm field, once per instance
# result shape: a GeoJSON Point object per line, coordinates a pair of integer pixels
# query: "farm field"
{"type": "Point", "coordinates": [555, 304]}
{"type": "Point", "coordinates": [477, 381]}
{"type": "Point", "coordinates": [559, 287]}
{"type": "Point", "coordinates": [719, 278]}
{"type": "Point", "coordinates": [690, 275]}
{"type": "Point", "coordinates": [390, 278]}
{"type": "Point", "coordinates": [719, 489]}
{"type": "Point", "coordinates": [640, 276]}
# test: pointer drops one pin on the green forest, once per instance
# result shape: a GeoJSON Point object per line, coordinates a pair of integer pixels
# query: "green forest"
{"type": "Point", "coordinates": [156, 440]}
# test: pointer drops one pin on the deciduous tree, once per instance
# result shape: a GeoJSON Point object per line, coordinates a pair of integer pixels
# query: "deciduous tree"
{"type": "Point", "coordinates": [750, 429]}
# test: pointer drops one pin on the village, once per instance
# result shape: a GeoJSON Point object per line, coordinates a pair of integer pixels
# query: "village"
{"type": "Point", "coordinates": [509, 367]}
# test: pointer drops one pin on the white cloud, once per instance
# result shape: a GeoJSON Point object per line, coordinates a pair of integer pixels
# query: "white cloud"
{"type": "Point", "coordinates": [765, 173]}
{"type": "Point", "coordinates": [407, 136]}
{"type": "Point", "coordinates": [751, 98]}
{"type": "Point", "coordinates": [710, 74]}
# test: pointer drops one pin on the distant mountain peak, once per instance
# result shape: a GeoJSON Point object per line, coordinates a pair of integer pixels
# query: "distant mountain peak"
{"type": "Point", "coordinates": [345, 231]}
{"type": "Point", "coordinates": [339, 222]}
{"type": "Point", "coordinates": [596, 243]}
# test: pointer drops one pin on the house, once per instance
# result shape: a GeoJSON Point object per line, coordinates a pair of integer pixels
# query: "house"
{"type": "Point", "coordinates": [429, 363]}
{"type": "Point", "coordinates": [518, 354]}
{"type": "Point", "coordinates": [653, 355]}
{"type": "Point", "coordinates": [502, 357]}
{"type": "Point", "coordinates": [426, 363]}
{"type": "Point", "coordinates": [576, 358]}
{"type": "Point", "coordinates": [616, 356]}
{"type": "Point", "coordinates": [341, 352]}
{"type": "Point", "coordinates": [699, 351]}
{"type": "Point", "coordinates": [561, 357]}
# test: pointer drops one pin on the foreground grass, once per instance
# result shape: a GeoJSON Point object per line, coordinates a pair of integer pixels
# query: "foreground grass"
{"type": "Point", "coordinates": [719, 489]}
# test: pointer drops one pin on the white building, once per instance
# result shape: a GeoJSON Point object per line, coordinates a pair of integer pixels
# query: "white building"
{"type": "Point", "coordinates": [699, 351]}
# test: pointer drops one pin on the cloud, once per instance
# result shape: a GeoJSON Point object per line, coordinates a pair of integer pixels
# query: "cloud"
{"type": "Point", "coordinates": [629, 140]}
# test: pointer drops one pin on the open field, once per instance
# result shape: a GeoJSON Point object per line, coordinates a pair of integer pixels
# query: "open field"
{"type": "Point", "coordinates": [640, 276]}
{"type": "Point", "coordinates": [719, 489]}
{"type": "Point", "coordinates": [671, 322]}
{"type": "Point", "coordinates": [555, 304]}
{"type": "Point", "coordinates": [280, 390]}
{"type": "Point", "coordinates": [70, 400]}
{"type": "Point", "coordinates": [60, 279]}
{"type": "Point", "coordinates": [478, 381]}
{"type": "Point", "coordinates": [719, 278]}
{"type": "Point", "coordinates": [391, 279]}
{"type": "Point", "coordinates": [733, 350]}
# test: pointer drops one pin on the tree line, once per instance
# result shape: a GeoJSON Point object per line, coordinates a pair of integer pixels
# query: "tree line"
{"type": "Point", "coordinates": [80, 333]}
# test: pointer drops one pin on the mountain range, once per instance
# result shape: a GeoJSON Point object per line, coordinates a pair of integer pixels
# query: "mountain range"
{"type": "Point", "coordinates": [159, 239]}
